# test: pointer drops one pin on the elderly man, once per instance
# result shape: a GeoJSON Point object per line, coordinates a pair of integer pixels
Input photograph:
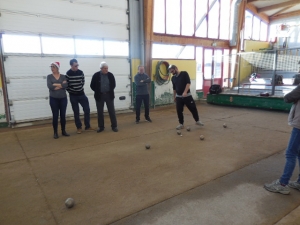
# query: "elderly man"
{"type": "Point", "coordinates": [103, 84]}
{"type": "Point", "coordinates": [182, 95]}
{"type": "Point", "coordinates": [142, 94]}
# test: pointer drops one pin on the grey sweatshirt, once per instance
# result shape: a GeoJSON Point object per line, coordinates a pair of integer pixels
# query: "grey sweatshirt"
{"type": "Point", "coordinates": [294, 116]}
{"type": "Point", "coordinates": [142, 87]}
{"type": "Point", "coordinates": [61, 93]}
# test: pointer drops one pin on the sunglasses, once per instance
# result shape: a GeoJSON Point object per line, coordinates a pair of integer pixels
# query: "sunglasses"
{"type": "Point", "coordinates": [76, 65]}
{"type": "Point", "coordinates": [53, 66]}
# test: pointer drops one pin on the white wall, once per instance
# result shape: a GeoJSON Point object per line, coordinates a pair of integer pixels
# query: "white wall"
{"type": "Point", "coordinates": [292, 31]}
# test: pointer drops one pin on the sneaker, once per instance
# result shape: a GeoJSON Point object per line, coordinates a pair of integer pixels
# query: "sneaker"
{"type": "Point", "coordinates": [115, 129]}
{"type": "Point", "coordinates": [294, 184]}
{"type": "Point", "coordinates": [90, 129]}
{"type": "Point", "coordinates": [276, 187]}
{"type": "Point", "coordinates": [137, 121]}
{"type": "Point", "coordinates": [79, 130]}
{"type": "Point", "coordinates": [180, 126]}
{"type": "Point", "coordinates": [149, 120]}
{"type": "Point", "coordinates": [199, 123]}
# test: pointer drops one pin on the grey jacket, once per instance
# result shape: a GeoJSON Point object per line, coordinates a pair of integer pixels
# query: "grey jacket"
{"type": "Point", "coordinates": [61, 93]}
{"type": "Point", "coordinates": [142, 87]}
{"type": "Point", "coordinates": [294, 116]}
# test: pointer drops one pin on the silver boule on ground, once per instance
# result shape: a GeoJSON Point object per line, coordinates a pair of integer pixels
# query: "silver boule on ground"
{"type": "Point", "coordinates": [69, 203]}
{"type": "Point", "coordinates": [147, 146]}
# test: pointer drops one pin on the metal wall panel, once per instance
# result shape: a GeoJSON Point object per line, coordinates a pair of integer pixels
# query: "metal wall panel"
{"type": "Point", "coordinates": [27, 84]}
{"type": "Point", "coordinates": [26, 74]}
{"type": "Point", "coordinates": [65, 18]}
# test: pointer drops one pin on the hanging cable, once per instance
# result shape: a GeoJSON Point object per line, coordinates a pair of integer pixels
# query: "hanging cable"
{"type": "Point", "coordinates": [161, 77]}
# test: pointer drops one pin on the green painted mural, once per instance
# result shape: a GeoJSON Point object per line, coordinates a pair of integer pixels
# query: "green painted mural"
{"type": "Point", "coordinates": [199, 95]}
{"type": "Point", "coordinates": [165, 99]}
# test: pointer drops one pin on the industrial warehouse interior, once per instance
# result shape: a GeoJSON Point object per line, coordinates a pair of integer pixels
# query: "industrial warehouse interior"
{"type": "Point", "coordinates": [155, 112]}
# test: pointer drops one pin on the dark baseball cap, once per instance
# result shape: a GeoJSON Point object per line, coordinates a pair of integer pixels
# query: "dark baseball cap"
{"type": "Point", "coordinates": [172, 67]}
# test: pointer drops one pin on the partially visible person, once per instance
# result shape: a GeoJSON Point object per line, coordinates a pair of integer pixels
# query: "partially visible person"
{"type": "Point", "coordinates": [57, 85]}
{"type": "Point", "coordinates": [103, 84]}
{"type": "Point", "coordinates": [142, 94]}
{"type": "Point", "coordinates": [182, 95]}
{"type": "Point", "coordinates": [293, 149]}
{"type": "Point", "coordinates": [76, 81]}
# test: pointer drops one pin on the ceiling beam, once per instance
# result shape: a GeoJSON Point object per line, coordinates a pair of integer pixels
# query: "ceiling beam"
{"type": "Point", "coordinates": [285, 15]}
{"type": "Point", "coordinates": [262, 16]}
{"type": "Point", "coordinates": [277, 6]}
{"type": "Point", "coordinates": [281, 11]}
{"type": "Point", "coordinates": [181, 40]}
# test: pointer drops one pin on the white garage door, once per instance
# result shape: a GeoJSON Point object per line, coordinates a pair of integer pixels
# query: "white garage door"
{"type": "Point", "coordinates": [36, 33]}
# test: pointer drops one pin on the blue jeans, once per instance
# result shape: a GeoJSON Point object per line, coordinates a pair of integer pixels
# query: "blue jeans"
{"type": "Point", "coordinates": [84, 102]}
{"type": "Point", "coordinates": [58, 107]}
{"type": "Point", "coordinates": [292, 153]}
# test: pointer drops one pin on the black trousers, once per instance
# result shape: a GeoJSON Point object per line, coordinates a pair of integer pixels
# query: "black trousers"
{"type": "Point", "coordinates": [190, 104]}
{"type": "Point", "coordinates": [139, 99]}
{"type": "Point", "coordinates": [59, 108]}
{"type": "Point", "coordinates": [105, 98]}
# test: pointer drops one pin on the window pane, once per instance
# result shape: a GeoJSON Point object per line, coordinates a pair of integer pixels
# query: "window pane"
{"type": "Point", "coordinates": [263, 31]}
{"type": "Point", "coordinates": [21, 44]}
{"type": "Point", "coordinates": [165, 51]}
{"type": "Point", "coordinates": [256, 28]}
{"type": "Point", "coordinates": [199, 76]}
{"type": "Point", "coordinates": [187, 53]}
{"type": "Point", "coordinates": [233, 63]}
{"type": "Point", "coordinates": [116, 48]}
{"type": "Point", "coordinates": [202, 30]}
{"type": "Point", "coordinates": [248, 25]}
{"type": "Point", "coordinates": [226, 68]}
{"type": "Point", "coordinates": [201, 11]}
{"type": "Point", "coordinates": [213, 21]}
{"type": "Point", "coordinates": [53, 45]}
{"type": "Point", "coordinates": [159, 16]}
{"type": "Point", "coordinates": [173, 17]}
{"type": "Point", "coordinates": [88, 47]}
{"type": "Point", "coordinates": [188, 7]}
{"type": "Point", "coordinates": [207, 63]}
{"type": "Point", "coordinates": [217, 63]}
{"type": "Point", "coordinates": [224, 19]}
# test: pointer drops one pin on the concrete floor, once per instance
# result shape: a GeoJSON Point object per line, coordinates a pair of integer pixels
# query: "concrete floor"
{"type": "Point", "coordinates": [180, 180]}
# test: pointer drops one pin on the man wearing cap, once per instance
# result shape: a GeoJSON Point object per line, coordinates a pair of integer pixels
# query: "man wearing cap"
{"type": "Point", "coordinates": [75, 78]}
{"type": "Point", "coordinates": [141, 81]}
{"type": "Point", "coordinates": [103, 84]}
{"type": "Point", "coordinates": [182, 95]}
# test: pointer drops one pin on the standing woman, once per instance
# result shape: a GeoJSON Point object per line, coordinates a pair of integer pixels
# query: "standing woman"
{"type": "Point", "coordinates": [57, 84]}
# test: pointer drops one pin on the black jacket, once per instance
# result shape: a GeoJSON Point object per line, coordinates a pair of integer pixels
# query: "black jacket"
{"type": "Point", "coordinates": [96, 85]}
